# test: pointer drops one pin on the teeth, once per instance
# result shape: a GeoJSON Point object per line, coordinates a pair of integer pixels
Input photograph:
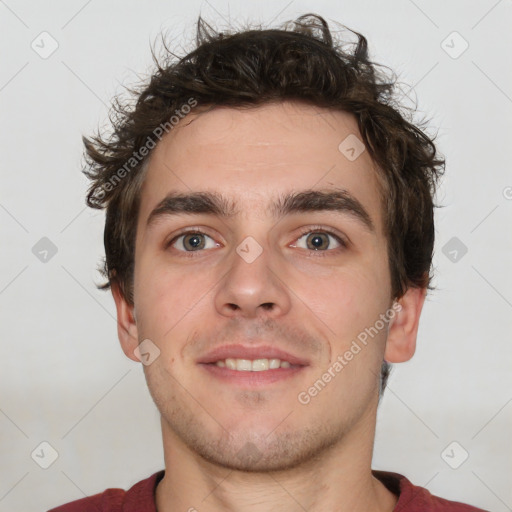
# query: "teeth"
{"type": "Point", "coordinates": [259, 365]}
{"type": "Point", "coordinates": [243, 364]}
{"type": "Point", "coordinates": [274, 363]}
{"type": "Point", "coordinates": [256, 365]}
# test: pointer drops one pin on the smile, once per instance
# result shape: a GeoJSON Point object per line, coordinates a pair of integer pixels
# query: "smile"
{"type": "Point", "coordinates": [252, 365]}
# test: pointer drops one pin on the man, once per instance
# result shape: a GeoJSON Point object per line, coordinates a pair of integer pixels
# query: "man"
{"type": "Point", "coordinates": [268, 238]}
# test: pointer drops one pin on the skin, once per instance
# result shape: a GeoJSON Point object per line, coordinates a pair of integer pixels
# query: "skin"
{"type": "Point", "coordinates": [309, 457]}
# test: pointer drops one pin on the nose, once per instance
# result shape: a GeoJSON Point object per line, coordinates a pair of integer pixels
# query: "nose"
{"type": "Point", "coordinates": [253, 286]}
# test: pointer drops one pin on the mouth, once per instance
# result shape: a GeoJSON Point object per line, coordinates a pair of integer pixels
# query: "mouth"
{"type": "Point", "coordinates": [251, 378]}
{"type": "Point", "coordinates": [255, 365]}
{"type": "Point", "coordinates": [258, 354]}
{"type": "Point", "coordinates": [251, 366]}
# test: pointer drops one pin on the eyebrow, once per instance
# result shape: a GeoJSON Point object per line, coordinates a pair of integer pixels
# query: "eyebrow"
{"type": "Point", "coordinates": [214, 203]}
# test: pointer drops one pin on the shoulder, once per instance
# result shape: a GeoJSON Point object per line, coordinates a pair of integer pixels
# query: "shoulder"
{"type": "Point", "coordinates": [110, 499]}
{"type": "Point", "coordinates": [413, 498]}
{"type": "Point", "coordinates": [140, 497]}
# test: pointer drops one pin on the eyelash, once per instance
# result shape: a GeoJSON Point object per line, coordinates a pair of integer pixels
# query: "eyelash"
{"type": "Point", "coordinates": [305, 231]}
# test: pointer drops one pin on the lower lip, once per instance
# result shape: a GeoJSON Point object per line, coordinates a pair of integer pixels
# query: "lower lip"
{"type": "Point", "coordinates": [249, 377]}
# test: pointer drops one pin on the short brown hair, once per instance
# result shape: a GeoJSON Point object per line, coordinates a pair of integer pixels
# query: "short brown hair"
{"type": "Point", "coordinates": [299, 62]}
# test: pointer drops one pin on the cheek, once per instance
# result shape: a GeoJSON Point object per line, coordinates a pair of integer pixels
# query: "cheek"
{"type": "Point", "coordinates": [152, 301]}
{"type": "Point", "coordinates": [349, 302]}
{"type": "Point", "coordinates": [168, 299]}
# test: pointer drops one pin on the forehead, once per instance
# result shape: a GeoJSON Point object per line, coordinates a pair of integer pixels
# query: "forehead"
{"type": "Point", "coordinates": [252, 155]}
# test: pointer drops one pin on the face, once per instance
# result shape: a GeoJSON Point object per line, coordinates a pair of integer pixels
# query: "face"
{"type": "Point", "coordinates": [294, 280]}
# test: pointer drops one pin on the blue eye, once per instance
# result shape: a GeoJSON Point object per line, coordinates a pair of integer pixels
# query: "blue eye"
{"type": "Point", "coordinates": [192, 241]}
{"type": "Point", "coordinates": [318, 240]}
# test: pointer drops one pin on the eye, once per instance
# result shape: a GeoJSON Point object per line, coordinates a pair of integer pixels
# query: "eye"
{"type": "Point", "coordinates": [317, 239]}
{"type": "Point", "coordinates": [192, 241]}
{"type": "Point", "coordinates": [320, 240]}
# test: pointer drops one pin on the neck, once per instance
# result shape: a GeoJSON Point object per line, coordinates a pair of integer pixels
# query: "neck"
{"type": "Point", "coordinates": [339, 478]}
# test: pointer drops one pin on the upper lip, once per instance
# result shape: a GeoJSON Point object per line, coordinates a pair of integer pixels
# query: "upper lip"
{"type": "Point", "coordinates": [252, 352]}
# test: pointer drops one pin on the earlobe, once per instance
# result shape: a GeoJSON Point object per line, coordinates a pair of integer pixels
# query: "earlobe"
{"type": "Point", "coordinates": [126, 323]}
{"type": "Point", "coordinates": [403, 328]}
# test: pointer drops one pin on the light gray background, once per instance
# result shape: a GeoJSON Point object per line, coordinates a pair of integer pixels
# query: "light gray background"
{"type": "Point", "coordinates": [64, 378]}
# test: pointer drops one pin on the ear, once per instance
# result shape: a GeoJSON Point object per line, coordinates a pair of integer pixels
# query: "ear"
{"type": "Point", "coordinates": [126, 324]}
{"type": "Point", "coordinates": [403, 328]}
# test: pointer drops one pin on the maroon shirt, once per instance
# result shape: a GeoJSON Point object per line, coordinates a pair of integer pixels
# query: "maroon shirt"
{"type": "Point", "coordinates": [141, 498]}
